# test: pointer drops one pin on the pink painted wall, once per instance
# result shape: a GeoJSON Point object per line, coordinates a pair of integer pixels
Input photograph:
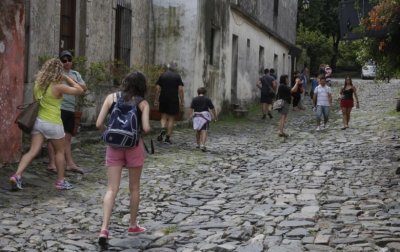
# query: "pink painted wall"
{"type": "Point", "coordinates": [12, 46]}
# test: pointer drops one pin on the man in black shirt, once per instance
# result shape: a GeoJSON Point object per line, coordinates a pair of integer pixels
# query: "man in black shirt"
{"type": "Point", "coordinates": [267, 85]}
{"type": "Point", "coordinates": [169, 100]}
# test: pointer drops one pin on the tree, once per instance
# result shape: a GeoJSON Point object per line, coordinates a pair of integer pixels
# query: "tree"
{"type": "Point", "coordinates": [384, 49]}
{"type": "Point", "coordinates": [316, 44]}
{"type": "Point", "coordinates": [322, 16]}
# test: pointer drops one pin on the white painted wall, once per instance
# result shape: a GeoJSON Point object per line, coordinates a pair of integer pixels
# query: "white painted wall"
{"type": "Point", "coordinates": [248, 64]}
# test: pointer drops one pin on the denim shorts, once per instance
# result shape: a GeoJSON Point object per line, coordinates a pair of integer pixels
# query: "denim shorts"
{"type": "Point", "coordinates": [322, 111]}
{"type": "Point", "coordinates": [48, 130]}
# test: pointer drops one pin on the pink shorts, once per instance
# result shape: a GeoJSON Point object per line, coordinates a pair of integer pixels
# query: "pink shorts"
{"type": "Point", "coordinates": [125, 157]}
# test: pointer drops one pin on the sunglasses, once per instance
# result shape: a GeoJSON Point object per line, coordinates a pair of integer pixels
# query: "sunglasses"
{"type": "Point", "coordinates": [66, 60]}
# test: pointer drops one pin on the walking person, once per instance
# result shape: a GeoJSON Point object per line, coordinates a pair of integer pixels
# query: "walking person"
{"type": "Point", "coordinates": [67, 117]}
{"type": "Point", "coordinates": [322, 101]}
{"type": "Point", "coordinates": [48, 124]}
{"type": "Point", "coordinates": [132, 94]}
{"type": "Point", "coordinates": [169, 100]}
{"type": "Point", "coordinates": [348, 93]}
{"type": "Point", "coordinates": [267, 85]}
{"type": "Point", "coordinates": [299, 92]}
{"type": "Point", "coordinates": [201, 107]}
{"type": "Point", "coordinates": [285, 93]}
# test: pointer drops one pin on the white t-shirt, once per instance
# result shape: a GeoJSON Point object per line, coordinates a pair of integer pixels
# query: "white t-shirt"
{"type": "Point", "coordinates": [322, 95]}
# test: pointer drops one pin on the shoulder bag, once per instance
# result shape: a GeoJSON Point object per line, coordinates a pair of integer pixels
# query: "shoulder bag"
{"type": "Point", "coordinates": [26, 119]}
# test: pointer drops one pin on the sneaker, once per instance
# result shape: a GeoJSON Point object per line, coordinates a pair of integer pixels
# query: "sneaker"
{"type": "Point", "coordinates": [15, 182]}
{"type": "Point", "coordinates": [103, 237]}
{"type": "Point", "coordinates": [161, 136]}
{"type": "Point", "coordinates": [270, 115]}
{"type": "Point", "coordinates": [203, 148]}
{"type": "Point", "coordinates": [63, 185]}
{"type": "Point", "coordinates": [264, 116]}
{"type": "Point", "coordinates": [132, 230]}
{"type": "Point", "coordinates": [198, 146]}
{"type": "Point", "coordinates": [167, 140]}
{"type": "Point", "coordinates": [322, 125]}
{"type": "Point", "coordinates": [318, 128]}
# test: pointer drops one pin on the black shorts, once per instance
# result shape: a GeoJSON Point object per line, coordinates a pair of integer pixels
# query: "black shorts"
{"type": "Point", "coordinates": [68, 119]}
{"type": "Point", "coordinates": [267, 98]}
{"type": "Point", "coordinates": [205, 126]}
{"type": "Point", "coordinates": [170, 108]}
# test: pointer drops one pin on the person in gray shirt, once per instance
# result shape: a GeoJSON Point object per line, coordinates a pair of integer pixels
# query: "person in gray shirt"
{"type": "Point", "coordinates": [67, 116]}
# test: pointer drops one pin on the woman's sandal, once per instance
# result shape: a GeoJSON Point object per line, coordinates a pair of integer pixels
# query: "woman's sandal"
{"type": "Point", "coordinates": [51, 170]}
{"type": "Point", "coordinates": [74, 169]}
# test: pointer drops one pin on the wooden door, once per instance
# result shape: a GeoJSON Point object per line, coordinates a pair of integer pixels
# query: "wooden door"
{"type": "Point", "coordinates": [67, 25]}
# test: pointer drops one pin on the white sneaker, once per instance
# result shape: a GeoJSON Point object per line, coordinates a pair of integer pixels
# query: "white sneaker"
{"type": "Point", "coordinates": [322, 125]}
{"type": "Point", "coordinates": [318, 128]}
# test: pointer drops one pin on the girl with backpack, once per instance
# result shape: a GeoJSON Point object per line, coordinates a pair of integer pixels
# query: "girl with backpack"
{"type": "Point", "coordinates": [132, 92]}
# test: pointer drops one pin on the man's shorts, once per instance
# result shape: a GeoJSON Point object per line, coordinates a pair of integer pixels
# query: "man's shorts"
{"type": "Point", "coordinates": [125, 157]}
{"type": "Point", "coordinates": [68, 119]}
{"type": "Point", "coordinates": [170, 108]}
{"type": "Point", "coordinates": [49, 130]}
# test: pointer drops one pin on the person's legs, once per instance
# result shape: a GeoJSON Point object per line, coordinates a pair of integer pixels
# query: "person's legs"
{"type": "Point", "coordinates": [134, 189]}
{"type": "Point", "coordinates": [59, 148]}
{"type": "Point", "coordinates": [269, 109]}
{"type": "Point", "coordinates": [36, 145]}
{"type": "Point", "coordinates": [318, 115]}
{"type": "Point", "coordinates": [114, 179]}
{"type": "Point", "coordinates": [326, 110]}
{"type": "Point", "coordinates": [348, 112]}
{"type": "Point", "coordinates": [170, 127]}
{"type": "Point", "coordinates": [203, 137]}
{"type": "Point", "coordinates": [344, 116]}
{"type": "Point", "coordinates": [163, 122]}
{"type": "Point", "coordinates": [198, 138]}
{"type": "Point", "coordinates": [264, 110]}
{"type": "Point", "coordinates": [52, 161]}
{"type": "Point", "coordinates": [68, 152]}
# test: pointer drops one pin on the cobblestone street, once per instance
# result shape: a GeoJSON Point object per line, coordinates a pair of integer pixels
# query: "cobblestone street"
{"type": "Point", "coordinates": [252, 191]}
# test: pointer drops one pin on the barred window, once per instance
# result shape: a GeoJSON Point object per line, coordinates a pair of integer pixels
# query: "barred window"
{"type": "Point", "coordinates": [123, 26]}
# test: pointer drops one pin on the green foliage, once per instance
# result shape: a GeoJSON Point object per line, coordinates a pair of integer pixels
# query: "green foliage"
{"type": "Point", "coordinates": [317, 46]}
{"type": "Point", "coordinates": [321, 18]}
{"type": "Point", "coordinates": [348, 55]}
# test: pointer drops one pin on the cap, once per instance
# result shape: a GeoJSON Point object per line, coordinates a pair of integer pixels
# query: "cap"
{"type": "Point", "coordinates": [65, 53]}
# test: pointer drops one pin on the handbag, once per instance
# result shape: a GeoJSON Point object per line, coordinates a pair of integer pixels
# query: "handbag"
{"type": "Point", "coordinates": [26, 119]}
{"type": "Point", "coordinates": [278, 104]}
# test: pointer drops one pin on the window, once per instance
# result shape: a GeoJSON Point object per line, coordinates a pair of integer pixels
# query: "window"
{"type": "Point", "coordinates": [276, 7]}
{"type": "Point", "coordinates": [67, 25]}
{"type": "Point", "coordinates": [261, 60]}
{"type": "Point", "coordinates": [123, 32]}
{"type": "Point", "coordinates": [214, 46]}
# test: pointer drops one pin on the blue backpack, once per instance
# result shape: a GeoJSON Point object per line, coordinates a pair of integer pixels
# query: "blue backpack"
{"type": "Point", "coordinates": [123, 129]}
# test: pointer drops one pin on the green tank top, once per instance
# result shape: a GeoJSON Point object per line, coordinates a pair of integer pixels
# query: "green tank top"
{"type": "Point", "coordinates": [50, 106]}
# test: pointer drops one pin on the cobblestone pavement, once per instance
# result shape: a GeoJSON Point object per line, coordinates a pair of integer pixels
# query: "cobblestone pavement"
{"type": "Point", "coordinates": [252, 191]}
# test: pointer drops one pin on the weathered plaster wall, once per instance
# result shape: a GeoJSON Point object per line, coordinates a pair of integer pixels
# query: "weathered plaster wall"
{"type": "Point", "coordinates": [99, 36]}
{"type": "Point", "coordinates": [284, 24]}
{"type": "Point", "coordinates": [12, 42]}
{"type": "Point", "coordinates": [97, 44]}
{"type": "Point", "coordinates": [248, 63]}
{"type": "Point", "coordinates": [43, 31]}
{"type": "Point", "coordinates": [175, 29]}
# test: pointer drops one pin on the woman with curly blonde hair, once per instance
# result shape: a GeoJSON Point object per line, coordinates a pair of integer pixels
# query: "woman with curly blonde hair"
{"type": "Point", "coordinates": [48, 125]}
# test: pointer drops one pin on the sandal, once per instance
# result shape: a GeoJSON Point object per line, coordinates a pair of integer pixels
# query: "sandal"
{"type": "Point", "coordinates": [74, 169]}
{"type": "Point", "coordinates": [51, 170]}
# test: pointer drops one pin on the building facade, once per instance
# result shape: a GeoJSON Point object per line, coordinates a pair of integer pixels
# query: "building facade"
{"type": "Point", "coordinates": [221, 44]}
